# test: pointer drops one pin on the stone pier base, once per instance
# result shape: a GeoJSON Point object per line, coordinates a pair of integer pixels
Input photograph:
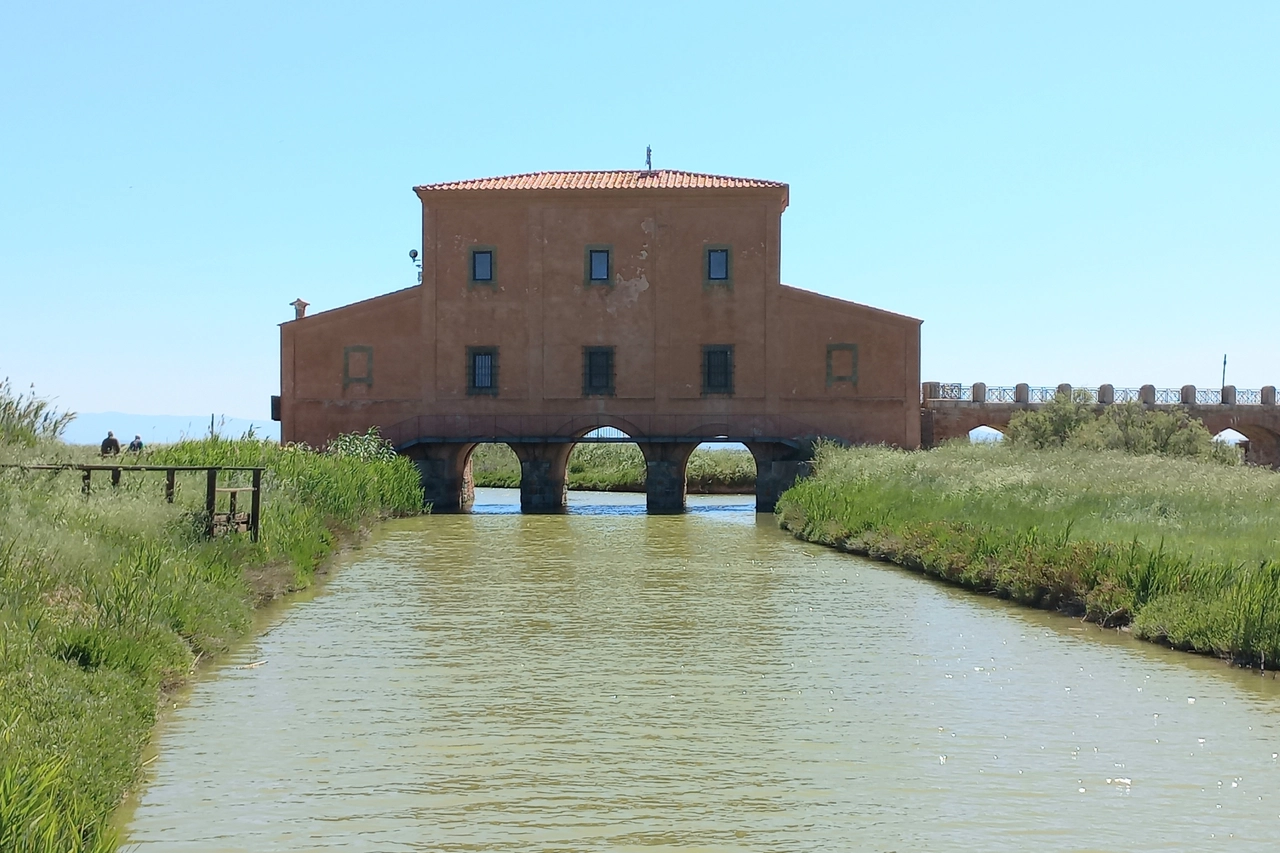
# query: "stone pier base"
{"type": "Point", "coordinates": [444, 471]}
{"type": "Point", "coordinates": [543, 476]}
{"type": "Point", "coordinates": [664, 483]}
{"type": "Point", "coordinates": [778, 466]}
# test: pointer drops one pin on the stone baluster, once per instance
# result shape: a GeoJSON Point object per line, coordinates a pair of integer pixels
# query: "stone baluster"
{"type": "Point", "coordinates": [931, 390]}
{"type": "Point", "coordinates": [1022, 393]}
{"type": "Point", "coordinates": [1188, 395]}
{"type": "Point", "coordinates": [1269, 395]}
{"type": "Point", "coordinates": [1106, 394]}
{"type": "Point", "coordinates": [1228, 395]}
{"type": "Point", "coordinates": [1065, 388]}
{"type": "Point", "coordinates": [1147, 395]}
{"type": "Point", "coordinates": [979, 392]}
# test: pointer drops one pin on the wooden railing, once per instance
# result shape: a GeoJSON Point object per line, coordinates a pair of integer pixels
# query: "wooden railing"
{"type": "Point", "coordinates": [217, 522]}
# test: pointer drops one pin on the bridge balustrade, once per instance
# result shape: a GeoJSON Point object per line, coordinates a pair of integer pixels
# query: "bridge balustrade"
{"type": "Point", "coordinates": [1248, 397]}
{"type": "Point", "coordinates": [1042, 395]}
{"type": "Point", "coordinates": [955, 391]}
{"type": "Point", "coordinates": [1208, 396]}
{"type": "Point", "coordinates": [1003, 394]}
{"type": "Point", "coordinates": [1150, 395]}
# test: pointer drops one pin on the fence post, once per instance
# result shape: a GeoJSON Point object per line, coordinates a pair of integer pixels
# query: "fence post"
{"type": "Point", "coordinates": [1269, 395]}
{"type": "Point", "coordinates": [1106, 394]}
{"type": "Point", "coordinates": [1022, 393]}
{"type": "Point", "coordinates": [115, 477]}
{"type": "Point", "coordinates": [85, 478]}
{"type": "Point", "coordinates": [210, 496]}
{"type": "Point", "coordinates": [255, 504]}
{"type": "Point", "coordinates": [1228, 395]}
{"type": "Point", "coordinates": [1188, 395]}
{"type": "Point", "coordinates": [979, 392]}
{"type": "Point", "coordinates": [169, 484]}
{"type": "Point", "coordinates": [1147, 395]}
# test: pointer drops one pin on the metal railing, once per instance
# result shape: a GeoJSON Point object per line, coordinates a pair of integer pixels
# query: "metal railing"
{"type": "Point", "coordinates": [1248, 397]}
{"type": "Point", "coordinates": [960, 392]}
{"type": "Point", "coordinates": [1209, 396]}
{"type": "Point", "coordinates": [1002, 394]}
{"type": "Point", "coordinates": [1041, 395]}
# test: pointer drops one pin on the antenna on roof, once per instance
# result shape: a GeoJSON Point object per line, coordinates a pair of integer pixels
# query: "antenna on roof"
{"type": "Point", "coordinates": [648, 158]}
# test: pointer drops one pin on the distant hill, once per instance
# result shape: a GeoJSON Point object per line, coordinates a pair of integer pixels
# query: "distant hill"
{"type": "Point", "coordinates": [91, 427]}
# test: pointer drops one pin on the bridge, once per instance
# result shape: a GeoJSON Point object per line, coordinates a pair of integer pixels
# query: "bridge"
{"type": "Point", "coordinates": [951, 410]}
{"type": "Point", "coordinates": [553, 305]}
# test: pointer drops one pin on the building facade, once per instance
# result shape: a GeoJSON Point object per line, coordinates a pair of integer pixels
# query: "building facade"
{"type": "Point", "coordinates": [558, 302]}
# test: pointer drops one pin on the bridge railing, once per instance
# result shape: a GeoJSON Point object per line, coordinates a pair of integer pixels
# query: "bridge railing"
{"type": "Point", "coordinates": [1002, 394]}
{"type": "Point", "coordinates": [1248, 397]}
{"type": "Point", "coordinates": [1148, 394]}
{"type": "Point", "coordinates": [1209, 397]}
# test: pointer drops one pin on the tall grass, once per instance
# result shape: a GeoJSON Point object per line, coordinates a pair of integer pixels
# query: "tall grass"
{"type": "Point", "coordinates": [109, 599]}
{"type": "Point", "coordinates": [620, 468]}
{"type": "Point", "coordinates": [1185, 551]}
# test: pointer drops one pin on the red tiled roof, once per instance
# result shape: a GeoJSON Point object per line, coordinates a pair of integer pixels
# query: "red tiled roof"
{"type": "Point", "coordinates": [615, 180]}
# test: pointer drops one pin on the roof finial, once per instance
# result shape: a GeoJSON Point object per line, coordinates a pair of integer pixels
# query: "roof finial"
{"type": "Point", "coordinates": [648, 158]}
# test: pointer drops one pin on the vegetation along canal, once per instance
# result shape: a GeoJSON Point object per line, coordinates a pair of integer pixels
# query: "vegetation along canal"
{"type": "Point", "coordinates": [607, 680]}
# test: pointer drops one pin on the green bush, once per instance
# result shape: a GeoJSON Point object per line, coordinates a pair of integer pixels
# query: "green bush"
{"type": "Point", "coordinates": [1077, 421]}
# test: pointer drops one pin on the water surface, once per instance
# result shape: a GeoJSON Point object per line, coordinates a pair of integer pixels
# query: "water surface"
{"type": "Point", "coordinates": [608, 680]}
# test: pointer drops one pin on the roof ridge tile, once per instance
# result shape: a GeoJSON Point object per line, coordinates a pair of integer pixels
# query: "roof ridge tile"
{"type": "Point", "coordinates": [604, 179]}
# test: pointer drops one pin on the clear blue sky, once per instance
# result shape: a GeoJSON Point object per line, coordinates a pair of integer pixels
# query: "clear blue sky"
{"type": "Point", "coordinates": [1087, 193]}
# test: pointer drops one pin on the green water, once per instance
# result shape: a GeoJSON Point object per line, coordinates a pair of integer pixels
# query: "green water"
{"type": "Point", "coordinates": [606, 680]}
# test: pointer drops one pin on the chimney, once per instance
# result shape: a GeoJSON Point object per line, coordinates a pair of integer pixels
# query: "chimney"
{"type": "Point", "coordinates": [299, 308]}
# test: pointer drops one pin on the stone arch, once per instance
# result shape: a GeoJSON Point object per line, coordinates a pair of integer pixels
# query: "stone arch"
{"type": "Point", "coordinates": [579, 426]}
{"type": "Point", "coordinates": [987, 436]}
{"type": "Point", "coordinates": [1263, 446]}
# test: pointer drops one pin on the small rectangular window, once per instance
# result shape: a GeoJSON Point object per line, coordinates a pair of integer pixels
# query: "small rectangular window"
{"type": "Point", "coordinates": [599, 264]}
{"type": "Point", "coordinates": [597, 371]}
{"type": "Point", "coordinates": [717, 369]}
{"type": "Point", "coordinates": [482, 370]}
{"type": "Point", "coordinates": [718, 264]}
{"type": "Point", "coordinates": [482, 265]}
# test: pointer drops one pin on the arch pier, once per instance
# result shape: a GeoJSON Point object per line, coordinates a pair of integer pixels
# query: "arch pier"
{"type": "Point", "coordinates": [444, 467]}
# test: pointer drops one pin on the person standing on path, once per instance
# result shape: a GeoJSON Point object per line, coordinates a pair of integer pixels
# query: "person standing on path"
{"type": "Point", "coordinates": [110, 446]}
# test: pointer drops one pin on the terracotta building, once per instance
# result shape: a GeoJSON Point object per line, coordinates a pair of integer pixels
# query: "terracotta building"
{"type": "Point", "coordinates": [555, 303]}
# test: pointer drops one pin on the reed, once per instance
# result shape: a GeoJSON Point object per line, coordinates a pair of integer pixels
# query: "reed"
{"type": "Point", "coordinates": [1183, 551]}
{"type": "Point", "coordinates": [108, 600]}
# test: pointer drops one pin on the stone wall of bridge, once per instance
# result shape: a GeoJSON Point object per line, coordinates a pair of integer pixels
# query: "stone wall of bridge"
{"type": "Point", "coordinates": [952, 410]}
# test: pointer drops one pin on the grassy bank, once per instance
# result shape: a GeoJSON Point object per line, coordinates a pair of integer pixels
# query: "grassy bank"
{"type": "Point", "coordinates": [107, 601]}
{"type": "Point", "coordinates": [620, 468]}
{"type": "Point", "coordinates": [1185, 551]}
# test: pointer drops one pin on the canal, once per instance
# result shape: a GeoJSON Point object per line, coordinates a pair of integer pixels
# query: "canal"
{"type": "Point", "coordinates": [608, 680]}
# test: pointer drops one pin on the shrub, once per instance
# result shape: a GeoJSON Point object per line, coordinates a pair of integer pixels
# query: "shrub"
{"type": "Point", "coordinates": [1076, 421]}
